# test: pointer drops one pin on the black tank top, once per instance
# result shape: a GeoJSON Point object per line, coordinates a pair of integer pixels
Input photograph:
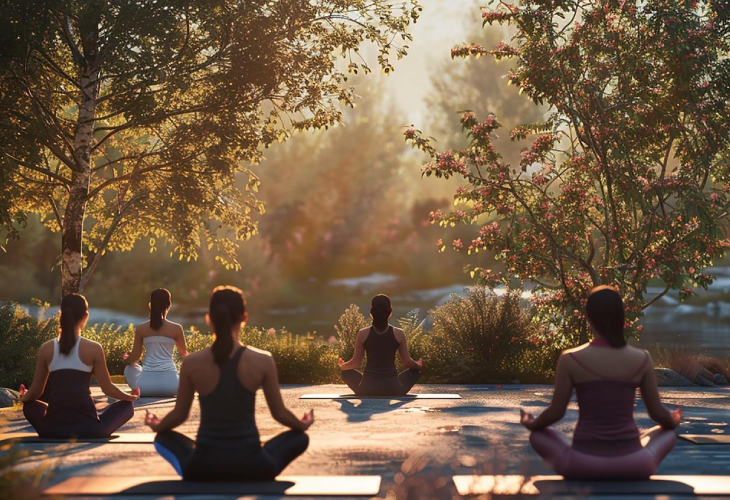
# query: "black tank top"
{"type": "Point", "coordinates": [227, 414]}
{"type": "Point", "coordinates": [380, 349]}
{"type": "Point", "coordinates": [69, 398]}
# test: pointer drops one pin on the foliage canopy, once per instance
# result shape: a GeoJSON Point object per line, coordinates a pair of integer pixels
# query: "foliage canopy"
{"type": "Point", "coordinates": [626, 182]}
{"type": "Point", "coordinates": [131, 119]}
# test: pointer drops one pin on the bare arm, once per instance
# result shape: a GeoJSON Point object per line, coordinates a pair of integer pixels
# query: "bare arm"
{"type": "Point", "coordinates": [272, 392]}
{"type": "Point", "coordinates": [185, 394]}
{"type": "Point", "coordinates": [405, 357]}
{"type": "Point", "coordinates": [102, 377]}
{"type": "Point", "coordinates": [356, 361]}
{"type": "Point", "coordinates": [182, 348]}
{"type": "Point", "coordinates": [41, 374]}
{"type": "Point", "coordinates": [136, 349]}
{"type": "Point", "coordinates": [650, 395]}
{"type": "Point", "coordinates": [561, 398]}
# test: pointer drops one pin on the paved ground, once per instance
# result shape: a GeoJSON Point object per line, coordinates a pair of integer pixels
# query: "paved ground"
{"type": "Point", "coordinates": [415, 446]}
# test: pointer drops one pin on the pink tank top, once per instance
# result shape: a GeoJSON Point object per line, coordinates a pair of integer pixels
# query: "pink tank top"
{"type": "Point", "coordinates": [606, 425]}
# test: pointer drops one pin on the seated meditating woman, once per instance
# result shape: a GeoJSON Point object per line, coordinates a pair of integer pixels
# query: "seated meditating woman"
{"type": "Point", "coordinates": [67, 364]}
{"type": "Point", "coordinates": [605, 374]}
{"type": "Point", "coordinates": [226, 377]}
{"type": "Point", "coordinates": [379, 343]}
{"type": "Point", "coordinates": [157, 375]}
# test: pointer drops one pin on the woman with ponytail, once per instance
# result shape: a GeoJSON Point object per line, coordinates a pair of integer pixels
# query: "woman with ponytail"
{"type": "Point", "coordinates": [605, 374]}
{"type": "Point", "coordinates": [157, 375]}
{"type": "Point", "coordinates": [226, 377]}
{"type": "Point", "coordinates": [68, 363]}
{"type": "Point", "coordinates": [379, 343]}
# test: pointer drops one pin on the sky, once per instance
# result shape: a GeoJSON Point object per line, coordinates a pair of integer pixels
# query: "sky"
{"type": "Point", "coordinates": [440, 27]}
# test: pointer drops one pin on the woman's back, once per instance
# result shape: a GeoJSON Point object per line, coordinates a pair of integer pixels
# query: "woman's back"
{"type": "Point", "coordinates": [380, 349]}
{"type": "Point", "coordinates": [605, 381]}
{"type": "Point", "coordinates": [227, 413]}
{"type": "Point", "coordinates": [158, 353]}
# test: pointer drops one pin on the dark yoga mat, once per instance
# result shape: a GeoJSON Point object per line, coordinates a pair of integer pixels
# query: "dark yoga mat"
{"type": "Point", "coordinates": [173, 485]}
{"type": "Point", "coordinates": [122, 438]}
{"type": "Point", "coordinates": [706, 438]}
{"type": "Point", "coordinates": [354, 396]}
{"type": "Point", "coordinates": [556, 485]}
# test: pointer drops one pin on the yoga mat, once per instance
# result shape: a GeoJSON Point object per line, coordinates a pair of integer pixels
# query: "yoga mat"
{"type": "Point", "coordinates": [128, 438]}
{"type": "Point", "coordinates": [707, 438]}
{"type": "Point", "coordinates": [354, 396]}
{"type": "Point", "coordinates": [173, 485]}
{"type": "Point", "coordinates": [556, 485]}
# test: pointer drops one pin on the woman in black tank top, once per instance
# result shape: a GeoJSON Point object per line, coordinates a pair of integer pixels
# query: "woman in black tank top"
{"type": "Point", "coordinates": [379, 343]}
{"type": "Point", "coordinates": [226, 376]}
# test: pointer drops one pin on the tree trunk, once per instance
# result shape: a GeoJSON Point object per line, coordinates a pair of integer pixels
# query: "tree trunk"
{"type": "Point", "coordinates": [73, 229]}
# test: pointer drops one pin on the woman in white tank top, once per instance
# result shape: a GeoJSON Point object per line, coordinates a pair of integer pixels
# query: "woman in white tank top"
{"type": "Point", "coordinates": [157, 375]}
{"type": "Point", "coordinates": [67, 364]}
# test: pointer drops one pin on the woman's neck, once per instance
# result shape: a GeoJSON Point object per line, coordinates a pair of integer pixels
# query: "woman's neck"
{"type": "Point", "coordinates": [378, 330]}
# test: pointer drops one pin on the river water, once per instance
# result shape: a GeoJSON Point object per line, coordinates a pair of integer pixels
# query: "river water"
{"type": "Point", "coordinates": [702, 325]}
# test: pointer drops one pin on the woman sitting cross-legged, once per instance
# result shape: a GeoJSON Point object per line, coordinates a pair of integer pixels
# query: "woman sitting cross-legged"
{"type": "Point", "coordinates": [605, 374]}
{"type": "Point", "coordinates": [380, 342]}
{"type": "Point", "coordinates": [67, 364]}
{"type": "Point", "coordinates": [157, 376]}
{"type": "Point", "coordinates": [226, 377]}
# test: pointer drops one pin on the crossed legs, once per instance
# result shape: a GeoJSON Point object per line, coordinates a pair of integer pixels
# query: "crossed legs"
{"type": "Point", "coordinates": [555, 448]}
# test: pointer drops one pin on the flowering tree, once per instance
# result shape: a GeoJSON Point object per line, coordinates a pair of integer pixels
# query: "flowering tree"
{"type": "Point", "coordinates": [626, 181]}
{"type": "Point", "coordinates": [132, 119]}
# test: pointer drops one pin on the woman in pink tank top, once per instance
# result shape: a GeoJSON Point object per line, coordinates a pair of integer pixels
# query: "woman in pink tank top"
{"type": "Point", "coordinates": [605, 373]}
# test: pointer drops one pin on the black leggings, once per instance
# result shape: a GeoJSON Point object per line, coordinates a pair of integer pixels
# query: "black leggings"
{"type": "Point", "coordinates": [367, 385]}
{"type": "Point", "coordinates": [199, 463]}
{"type": "Point", "coordinates": [58, 426]}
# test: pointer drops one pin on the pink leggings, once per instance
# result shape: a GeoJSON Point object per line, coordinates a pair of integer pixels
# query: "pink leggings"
{"type": "Point", "coordinates": [555, 448]}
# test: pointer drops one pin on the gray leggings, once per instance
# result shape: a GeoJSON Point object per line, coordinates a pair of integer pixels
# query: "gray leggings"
{"type": "Point", "coordinates": [369, 385]}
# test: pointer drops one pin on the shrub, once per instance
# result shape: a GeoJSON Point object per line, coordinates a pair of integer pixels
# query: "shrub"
{"type": "Point", "coordinates": [22, 336]}
{"type": "Point", "coordinates": [483, 337]}
{"type": "Point", "coordinates": [299, 359]}
{"type": "Point", "coordinates": [114, 340]}
{"type": "Point", "coordinates": [351, 322]}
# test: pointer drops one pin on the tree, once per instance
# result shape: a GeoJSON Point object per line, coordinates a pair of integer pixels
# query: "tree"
{"type": "Point", "coordinates": [626, 182]}
{"type": "Point", "coordinates": [477, 84]}
{"type": "Point", "coordinates": [131, 119]}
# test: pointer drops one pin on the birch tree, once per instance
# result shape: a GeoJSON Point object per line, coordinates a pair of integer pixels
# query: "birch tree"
{"type": "Point", "coordinates": [131, 119]}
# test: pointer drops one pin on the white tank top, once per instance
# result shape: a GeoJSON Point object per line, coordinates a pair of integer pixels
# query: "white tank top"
{"type": "Point", "coordinates": [70, 361]}
{"type": "Point", "coordinates": [158, 353]}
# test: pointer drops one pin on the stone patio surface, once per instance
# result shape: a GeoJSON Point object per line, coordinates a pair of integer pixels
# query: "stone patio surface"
{"type": "Point", "coordinates": [416, 446]}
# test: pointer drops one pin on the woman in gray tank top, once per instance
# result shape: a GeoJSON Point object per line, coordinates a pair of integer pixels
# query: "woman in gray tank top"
{"type": "Point", "coordinates": [379, 343]}
{"type": "Point", "coordinates": [226, 376]}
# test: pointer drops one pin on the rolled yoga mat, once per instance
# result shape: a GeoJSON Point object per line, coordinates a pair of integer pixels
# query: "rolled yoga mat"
{"type": "Point", "coordinates": [555, 485]}
{"type": "Point", "coordinates": [706, 438]}
{"type": "Point", "coordinates": [355, 396]}
{"type": "Point", "coordinates": [173, 485]}
{"type": "Point", "coordinates": [122, 438]}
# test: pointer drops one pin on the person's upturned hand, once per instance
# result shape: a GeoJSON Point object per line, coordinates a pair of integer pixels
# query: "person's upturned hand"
{"type": "Point", "coordinates": [677, 416]}
{"type": "Point", "coordinates": [308, 419]}
{"type": "Point", "coordinates": [340, 362]}
{"type": "Point", "coordinates": [527, 419]}
{"type": "Point", "coordinates": [22, 390]}
{"type": "Point", "coordinates": [420, 362]}
{"type": "Point", "coordinates": [135, 393]}
{"type": "Point", "coordinates": [151, 420]}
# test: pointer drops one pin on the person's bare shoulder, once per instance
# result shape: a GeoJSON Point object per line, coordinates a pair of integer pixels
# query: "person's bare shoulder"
{"type": "Point", "coordinates": [197, 357]}
{"type": "Point", "coordinates": [255, 351]}
{"type": "Point", "coordinates": [399, 334]}
{"type": "Point", "coordinates": [574, 350]}
{"type": "Point", "coordinates": [46, 349]}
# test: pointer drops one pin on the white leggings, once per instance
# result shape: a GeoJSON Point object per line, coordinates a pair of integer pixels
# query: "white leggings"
{"type": "Point", "coordinates": [151, 383]}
